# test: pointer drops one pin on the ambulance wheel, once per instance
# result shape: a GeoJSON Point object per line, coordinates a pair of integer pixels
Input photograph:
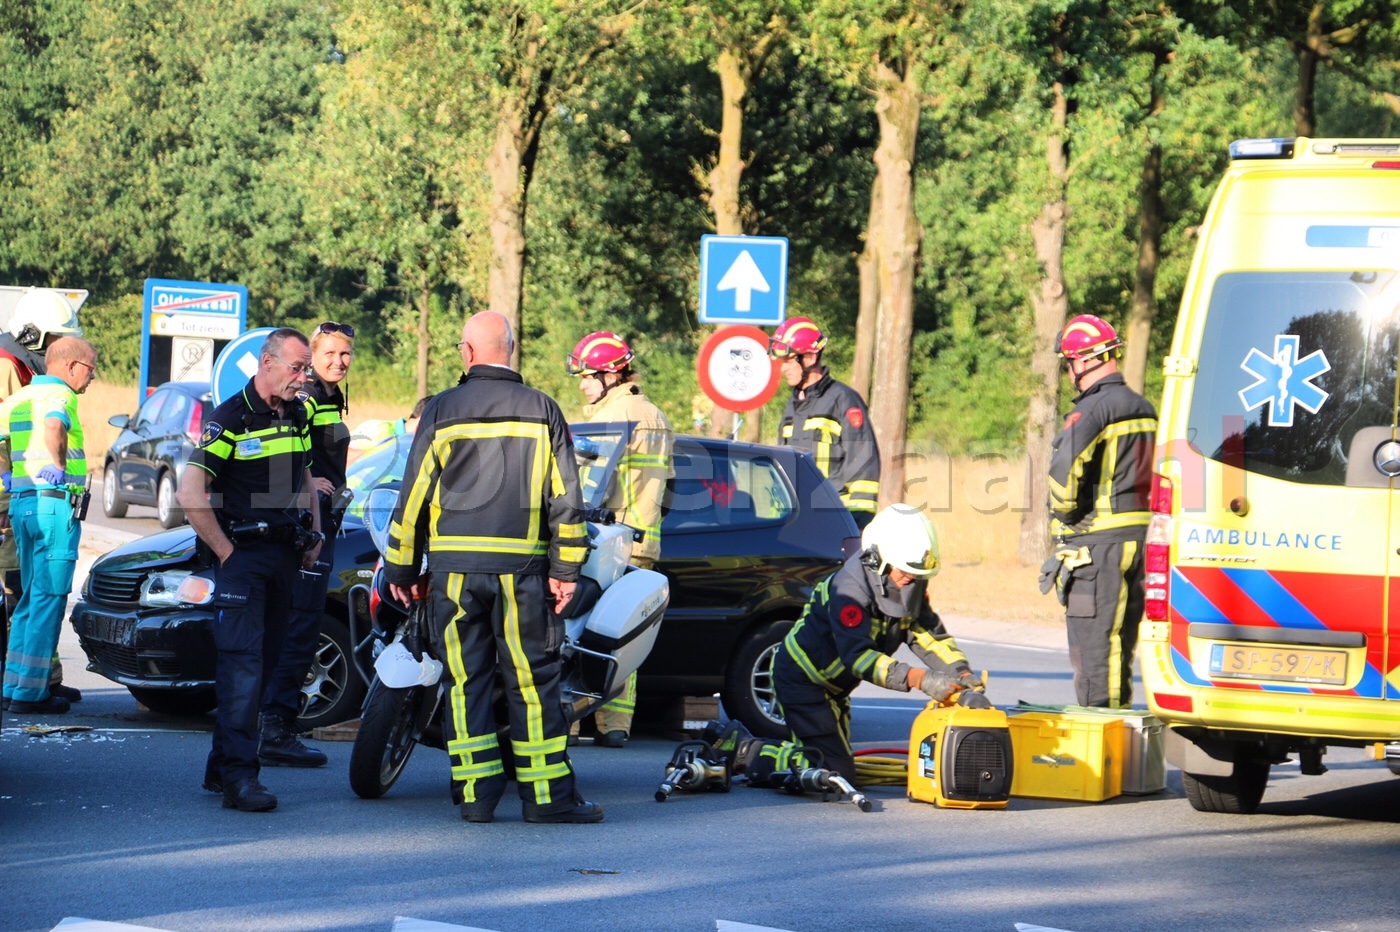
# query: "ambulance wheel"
{"type": "Point", "coordinates": [748, 683]}
{"type": "Point", "coordinates": [1237, 794]}
{"type": "Point", "coordinates": [112, 504]}
{"type": "Point", "coordinates": [385, 740]}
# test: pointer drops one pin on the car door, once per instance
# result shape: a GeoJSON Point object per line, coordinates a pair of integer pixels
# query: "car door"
{"type": "Point", "coordinates": [137, 466]}
{"type": "Point", "coordinates": [169, 434]}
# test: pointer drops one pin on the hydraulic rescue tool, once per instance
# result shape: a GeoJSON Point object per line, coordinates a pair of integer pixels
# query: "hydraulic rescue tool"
{"type": "Point", "coordinates": [696, 766]}
{"type": "Point", "coordinates": [827, 782]}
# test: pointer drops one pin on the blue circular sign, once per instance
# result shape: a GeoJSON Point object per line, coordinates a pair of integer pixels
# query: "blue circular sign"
{"type": "Point", "coordinates": [237, 364]}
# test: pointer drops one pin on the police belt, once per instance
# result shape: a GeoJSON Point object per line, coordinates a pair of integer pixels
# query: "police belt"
{"type": "Point", "coordinates": [253, 532]}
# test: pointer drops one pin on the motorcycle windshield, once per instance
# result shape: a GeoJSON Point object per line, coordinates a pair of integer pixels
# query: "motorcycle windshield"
{"type": "Point", "coordinates": [597, 449]}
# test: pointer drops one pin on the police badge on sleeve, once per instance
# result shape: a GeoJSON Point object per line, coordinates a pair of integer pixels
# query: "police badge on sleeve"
{"type": "Point", "coordinates": [212, 432]}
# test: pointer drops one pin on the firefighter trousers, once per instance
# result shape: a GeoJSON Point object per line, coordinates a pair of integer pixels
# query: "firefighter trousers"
{"type": "Point", "coordinates": [483, 623]}
{"type": "Point", "coordinates": [817, 717]}
{"type": "Point", "coordinates": [1102, 614]}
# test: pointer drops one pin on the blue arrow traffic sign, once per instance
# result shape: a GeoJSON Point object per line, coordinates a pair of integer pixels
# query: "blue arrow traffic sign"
{"type": "Point", "coordinates": [743, 280]}
{"type": "Point", "coordinates": [237, 364]}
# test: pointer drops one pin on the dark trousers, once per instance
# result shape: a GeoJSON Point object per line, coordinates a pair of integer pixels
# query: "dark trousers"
{"type": "Point", "coordinates": [254, 594]}
{"type": "Point", "coordinates": [1102, 618]}
{"type": "Point", "coordinates": [282, 696]}
{"type": "Point", "coordinates": [817, 717]}
{"type": "Point", "coordinates": [479, 621]}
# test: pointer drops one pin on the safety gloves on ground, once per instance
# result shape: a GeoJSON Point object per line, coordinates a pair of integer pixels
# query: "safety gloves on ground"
{"type": "Point", "coordinates": [53, 475]}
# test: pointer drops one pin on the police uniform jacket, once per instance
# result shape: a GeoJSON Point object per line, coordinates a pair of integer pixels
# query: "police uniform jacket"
{"type": "Point", "coordinates": [638, 484]}
{"type": "Point", "coordinates": [491, 485]}
{"type": "Point", "coordinates": [330, 437]}
{"type": "Point", "coordinates": [257, 459]}
{"type": "Point", "coordinates": [844, 636]}
{"type": "Point", "coordinates": [830, 421]}
{"type": "Point", "coordinates": [1101, 466]}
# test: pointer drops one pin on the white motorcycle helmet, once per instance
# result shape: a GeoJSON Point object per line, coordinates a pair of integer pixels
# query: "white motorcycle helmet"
{"type": "Point", "coordinates": [39, 313]}
{"type": "Point", "coordinates": [902, 537]}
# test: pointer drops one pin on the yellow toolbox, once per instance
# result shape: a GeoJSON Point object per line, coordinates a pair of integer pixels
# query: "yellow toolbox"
{"type": "Point", "coordinates": [1063, 755]}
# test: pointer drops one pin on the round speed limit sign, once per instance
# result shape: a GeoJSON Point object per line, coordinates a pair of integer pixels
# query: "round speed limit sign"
{"type": "Point", "coordinates": [734, 368]}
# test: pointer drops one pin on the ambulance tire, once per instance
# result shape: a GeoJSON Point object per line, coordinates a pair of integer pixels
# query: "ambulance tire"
{"type": "Point", "coordinates": [385, 740]}
{"type": "Point", "coordinates": [1237, 794]}
{"type": "Point", "coordinates": [748, 682]}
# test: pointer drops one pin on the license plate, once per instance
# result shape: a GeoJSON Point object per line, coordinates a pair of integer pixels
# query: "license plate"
{"type": "Point", "coordinates": [112, 630]}
{"type": "Point", "coordinates": [1270, 662]}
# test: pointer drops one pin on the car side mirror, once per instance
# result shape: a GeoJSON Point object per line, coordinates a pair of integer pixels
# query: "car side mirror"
{"type": "Point", "coordinates": [119, 421]}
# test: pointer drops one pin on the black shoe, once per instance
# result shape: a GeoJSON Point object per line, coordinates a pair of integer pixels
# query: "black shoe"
{"type": "Point", "coordinates": [582, 812]}
{"type": "Point", "coordinates": [477, 812]}
{"type": "Point", "coordinates": [213, 780]}
{"type": "Point", "coordinates": [248, 795]}
{"type": "Point", "coordinates": [66, 692]}
{"type": "Point", "coordinates": [51, 705]}
{"type": "Point", "coordinates": [282, 748]}
{"type": "Point", "coordinates": [613, 739]}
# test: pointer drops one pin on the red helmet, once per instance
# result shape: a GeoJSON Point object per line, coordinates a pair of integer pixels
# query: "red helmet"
{"type": "Point", "coordinates": [794, 337]}
{"type": "Point", "coordinates": [600, 351]}
{"type": "Point", "coordinates": [1085, 337]}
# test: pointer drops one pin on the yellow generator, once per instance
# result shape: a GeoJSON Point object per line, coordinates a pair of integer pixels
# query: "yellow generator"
{"type": "Point", "coordinates": [960, 758]}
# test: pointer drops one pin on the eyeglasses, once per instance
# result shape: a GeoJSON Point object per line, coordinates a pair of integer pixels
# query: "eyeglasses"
{"type": "Point", "coordinates": [92, 367]}
{"type": "Point", "coordinates": [331, 326]}
{"type": "Point", "coordinates": [303, 370]}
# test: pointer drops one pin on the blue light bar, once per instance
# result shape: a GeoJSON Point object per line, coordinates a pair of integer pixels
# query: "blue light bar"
{"type": "Point", "coordinates": [1261, 149]}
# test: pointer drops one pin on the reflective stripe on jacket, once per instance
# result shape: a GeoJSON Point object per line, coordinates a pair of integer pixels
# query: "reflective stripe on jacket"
{"type": "Point", "coordinates": [491, 485]}
{"type": "Point", "coordinates": [830, 421]}
{"type": "Point", "coordinates": [638, 485]}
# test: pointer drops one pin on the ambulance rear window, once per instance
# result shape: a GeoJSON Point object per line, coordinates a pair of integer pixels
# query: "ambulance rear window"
{"type": "Point", "coordinates": [1292, 365]}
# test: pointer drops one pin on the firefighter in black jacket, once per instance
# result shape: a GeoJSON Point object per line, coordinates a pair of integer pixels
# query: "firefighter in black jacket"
{"type": "Point", "coordinates": [856, 619]}
{"type": "Point", "coordinates": [827, 418]}
{"type": "Point", "coordinates": [491, 499]}
{"type": "Point", "coordinates": [1100, 481]}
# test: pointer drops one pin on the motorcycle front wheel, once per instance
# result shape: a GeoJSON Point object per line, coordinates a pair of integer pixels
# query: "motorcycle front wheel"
{"type": "Point", "coordinates": [385, 740]}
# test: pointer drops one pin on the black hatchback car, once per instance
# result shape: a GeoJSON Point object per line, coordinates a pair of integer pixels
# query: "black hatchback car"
{"type": "Point", "coordinates": [750, 530]}
{"type": "Point", "coordinates": [143, 466]}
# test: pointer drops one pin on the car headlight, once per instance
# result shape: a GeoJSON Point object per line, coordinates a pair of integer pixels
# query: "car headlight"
{"type": "Point", "coordinates": [171, 588]}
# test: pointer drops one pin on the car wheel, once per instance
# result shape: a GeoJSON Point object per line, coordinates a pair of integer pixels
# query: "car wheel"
{"type": "Point", "coordinates": [168, 510]}
{"type": "Point", "coordinates": [112, 504]}
{"type": "Point", "coordinates": [385, 740]}
{"type": "Point", "coordinates": [174, 701]}
{"type": "Point", "coordinates": [1237, 794]}
{"type": "Point", "coordinates": [748, 683]}
{"type": "Point", "coordinates": [333, 690]}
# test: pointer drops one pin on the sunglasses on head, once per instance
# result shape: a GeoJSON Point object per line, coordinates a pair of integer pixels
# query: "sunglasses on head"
{"type": "Point", "coordinates": [331, 326]}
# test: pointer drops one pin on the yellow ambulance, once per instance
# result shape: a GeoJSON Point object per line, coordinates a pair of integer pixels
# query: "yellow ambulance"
{"type": "Point", "coordinates": [1273, 558]}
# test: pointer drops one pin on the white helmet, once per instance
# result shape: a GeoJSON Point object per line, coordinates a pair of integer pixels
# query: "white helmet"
{"type": "Point", "coordinates": [40, 312]}
{"type": "Point", "coordinates": [902, 537]}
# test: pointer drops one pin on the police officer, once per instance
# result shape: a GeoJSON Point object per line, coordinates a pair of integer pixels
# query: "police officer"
{"type": "Point", "coordinates": [332, 351]}
{"type": "Point", "coordinates": [854, 622]}
{"type": "Point", "coordinates": [603, 363]}
{"type": "Point", "coordinates": [491, 498]}
{"type": "Point", "coordinates": [48, 486]}
{"type": "Point", "coordinates": [244, 492]}
{"type": "Point", "coordinates": [1100, 481]}
{"type": "Point", "coordinates": [827, 418]}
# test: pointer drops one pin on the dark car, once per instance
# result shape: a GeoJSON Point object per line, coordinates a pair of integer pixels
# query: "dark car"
{"type": "Point", "coordinates": [750, 530]}
{"type": "Point", "coordinates": [143, 466]}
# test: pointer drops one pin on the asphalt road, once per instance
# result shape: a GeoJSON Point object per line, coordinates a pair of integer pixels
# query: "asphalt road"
{"type": "Point", "coordinates": [112, 824]}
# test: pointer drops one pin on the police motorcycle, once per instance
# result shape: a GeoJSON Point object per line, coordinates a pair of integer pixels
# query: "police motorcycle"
{"type": "Point", "coordinates": [611, 624]}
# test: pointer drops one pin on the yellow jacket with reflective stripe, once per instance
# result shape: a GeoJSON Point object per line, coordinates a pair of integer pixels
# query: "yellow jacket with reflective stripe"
{"type": "Point", "coordinates": [1101, 465]}
{"type": "Point", "coordinates": [638, 485]}
{"type": "Point", "coordinates": [830, 421]}
{"type": "Point", "coordinates": [491, 485]}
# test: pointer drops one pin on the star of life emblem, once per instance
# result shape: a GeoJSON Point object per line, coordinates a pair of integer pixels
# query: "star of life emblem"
{"type": "Point", "coordinates": [1285, 381]}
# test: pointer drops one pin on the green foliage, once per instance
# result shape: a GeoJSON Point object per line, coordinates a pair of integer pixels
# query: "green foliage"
{"type": "Point", "coordinates": [114, 328]}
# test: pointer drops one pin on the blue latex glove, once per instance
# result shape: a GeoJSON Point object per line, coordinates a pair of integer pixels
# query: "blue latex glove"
{"type": "Point", "coordinates": [5, 479]}
{"type": "Point", "coordinates": [53, 475]}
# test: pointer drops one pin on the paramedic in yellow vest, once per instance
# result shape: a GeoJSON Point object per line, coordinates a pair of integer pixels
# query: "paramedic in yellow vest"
{"type": "Point", "coordinates": [47, 483]}
{"type": "Point", "coordinates": [603, 363]}
{"type": "Point", "coordinates": [827, 418]}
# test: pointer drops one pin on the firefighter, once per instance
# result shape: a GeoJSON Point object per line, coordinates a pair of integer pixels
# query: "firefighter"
{"type": "Point", "coordinates": [603, 363]}
{"type": "Point", "coordinates": [1100, 481]}
{"type": "Point", "coordinates": [244, 492]}
{"type": "Point", "coordinates": [827, 418]}
{"type": "Point", "coordinates": [39, 318]}
{"type": "Point", "coordinates": [854, 622]}
{"type": "Point", "coordinates": [491, 498]}
{"type": "Point", "coordinates": [332, 351]}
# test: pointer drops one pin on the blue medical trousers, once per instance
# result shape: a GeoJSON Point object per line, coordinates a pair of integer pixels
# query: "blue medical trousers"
{"type": "Point", "coordinates": [282, 695]}
{"type": "Point", "coordinates": [254, 595]}
{"type": "Point", "coordinates": [46, 536]}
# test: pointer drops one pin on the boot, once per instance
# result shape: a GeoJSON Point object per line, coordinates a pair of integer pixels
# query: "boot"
{"type": "Point", "coordinates": [248, 795]}
{"type": "Point", "coordinates": [580, 812]}
{"type": "Point", "coordinates": [282, 748]}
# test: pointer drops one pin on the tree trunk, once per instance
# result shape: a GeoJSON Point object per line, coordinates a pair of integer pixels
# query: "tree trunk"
{"type": "Point", "coordinates": [1049, 303]}
{"type": "Point", "coordinates": [1144, 305]}
{"type": "Point", "coordinates": [1304, 110]}
{"type": "Point", "coordinates": [868, 315]}
{"type": "Point", "coordinates": [505, 278]}
{"type": "Point", "coordinates": [897, 105]}
{"type": "Point", "coordinates": [424, 314]}
{"type": "Point", "coordinates": [724, 196]}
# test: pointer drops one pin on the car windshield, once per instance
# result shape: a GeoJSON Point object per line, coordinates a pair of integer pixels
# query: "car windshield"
{"type": "Point", "coordinates": [597, 448]}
